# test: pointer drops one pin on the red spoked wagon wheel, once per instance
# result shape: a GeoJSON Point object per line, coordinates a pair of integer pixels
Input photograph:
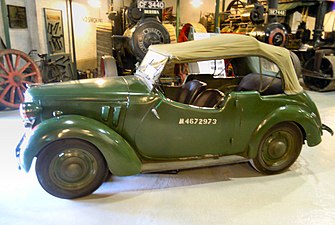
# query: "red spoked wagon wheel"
{"type": "Point", "coordinates": [17, 70]}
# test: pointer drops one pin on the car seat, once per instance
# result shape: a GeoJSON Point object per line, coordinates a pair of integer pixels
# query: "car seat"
{"type": "Point", "coordinates": [212, 98]}
{"type": "Point", "coordinates": [253, 82]}
{"type": "Point", "coordinates": [190, 90]}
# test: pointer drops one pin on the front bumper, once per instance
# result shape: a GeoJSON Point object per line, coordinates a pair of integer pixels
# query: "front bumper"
{"type": "Point", "coordinates": [21, 148]}
{"type": "Point", "coordinates": [326, 128]}
{"type": "Point", "coordinates": [18, 151]}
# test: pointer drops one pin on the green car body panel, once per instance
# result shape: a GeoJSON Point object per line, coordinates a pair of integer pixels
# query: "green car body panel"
{"type": "Point", "coordinates": [120, 156]}
{"type": "Point", "coordinates": [129, 112]}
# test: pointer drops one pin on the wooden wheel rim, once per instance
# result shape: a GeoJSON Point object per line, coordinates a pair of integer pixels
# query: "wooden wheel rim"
{"type": "Point", "coordinates": [14, 77]}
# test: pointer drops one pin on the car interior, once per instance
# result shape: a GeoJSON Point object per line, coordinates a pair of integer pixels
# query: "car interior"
{"type": "Point", "coordinates": [209, 90]}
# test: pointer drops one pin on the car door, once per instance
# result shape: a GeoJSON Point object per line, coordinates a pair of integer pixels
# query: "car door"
{"type": "Point", "coordinates": [175, 130]}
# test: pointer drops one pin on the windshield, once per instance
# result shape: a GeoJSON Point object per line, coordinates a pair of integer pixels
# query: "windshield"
{"type": "Point", "coordinates": [151, 67]}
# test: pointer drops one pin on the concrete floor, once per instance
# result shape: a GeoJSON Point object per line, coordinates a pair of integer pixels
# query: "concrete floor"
{"type": "Point", "coordinates": [231, 194]}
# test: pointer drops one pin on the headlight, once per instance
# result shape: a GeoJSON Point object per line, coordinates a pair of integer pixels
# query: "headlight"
{"type": "Point", "coordinates": [29, 112]}
{"type": "Point", "coordinates": [28, 97]}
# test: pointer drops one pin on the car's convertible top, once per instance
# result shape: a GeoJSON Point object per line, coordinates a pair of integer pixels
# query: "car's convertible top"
{"type": "Point", "coordinates": [231, 46]}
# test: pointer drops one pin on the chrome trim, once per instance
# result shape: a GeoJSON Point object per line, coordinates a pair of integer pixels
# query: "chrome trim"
{"type": "Point", "coordinates": [148, 167]}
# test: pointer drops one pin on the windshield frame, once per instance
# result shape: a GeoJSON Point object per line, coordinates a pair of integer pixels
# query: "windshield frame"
{"type": "Point", "coordinates": [151, 68]}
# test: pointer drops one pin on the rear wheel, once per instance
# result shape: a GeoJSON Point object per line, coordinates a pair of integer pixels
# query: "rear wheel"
{"type": "Point", "coordinates": [70, 168]}
{"type": "Point", "coordinates": [278, 149]}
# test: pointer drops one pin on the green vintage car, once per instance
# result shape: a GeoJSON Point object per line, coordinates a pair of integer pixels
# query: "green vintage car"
{"type": "Point", "coordinates": [238, 100]}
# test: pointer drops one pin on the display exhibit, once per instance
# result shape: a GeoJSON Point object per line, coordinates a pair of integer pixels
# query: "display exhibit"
{"type": "Point", "coordinates": [167, 112]}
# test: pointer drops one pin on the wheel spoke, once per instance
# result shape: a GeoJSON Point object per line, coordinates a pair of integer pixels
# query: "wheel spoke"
{"type": "Point", "coordinates": [3, 76]}
{"type": "Point", "coordinates": [29, 75]}
{"type": "Point", "coordinates": [17, 61]}
{"type": "Point", "coordinates": [19, 91]}
{"type": "Point", "coordinates": [5, 91]}
{"type": "Point", "coordinates": [9, 63]}
{"type": "Point", "coordinates": [12, 94]}
{"type": "Point", "coordinates": [24, 67]}
{"type": "Point", "coordinates": [4, 68]}
{"type": "Point", "coordinates": [27, 82]}
{"type": "Point", "coordinates": [4, 82]}
{"type": "Point", "coordinates": [23, 87]}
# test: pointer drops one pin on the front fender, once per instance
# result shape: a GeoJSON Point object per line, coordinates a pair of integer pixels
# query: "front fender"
{"type": "Point", "coordinates": [307, 121]}
{"type": "Point", "coordinates": [120, 156]}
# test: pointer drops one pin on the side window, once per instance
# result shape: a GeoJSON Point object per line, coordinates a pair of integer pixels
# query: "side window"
{"type": "Point", "coordinates": [263, 76]}
{"type": "Point", "coordinates": [263, 66]}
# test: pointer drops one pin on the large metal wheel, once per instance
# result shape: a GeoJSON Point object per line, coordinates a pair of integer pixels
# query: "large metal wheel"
{"type": "Point", "coordinates": [324, 81]}
{"type": "Point", "coordinates": [278, 149]}
{"type": "Point", "coordinates": [17, 70]}
{"type": "Point", "coordinates": [296, 63]}
{"type": "Point", "coordinates": [149, 31]}
{"type": "Point", "coordinates": [70, 168]}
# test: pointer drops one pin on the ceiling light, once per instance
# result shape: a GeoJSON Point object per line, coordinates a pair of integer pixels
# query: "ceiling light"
{"type": "Point", "coordinates": [196, 3]}
{"type": "Point", "coordinates": [94, 3]}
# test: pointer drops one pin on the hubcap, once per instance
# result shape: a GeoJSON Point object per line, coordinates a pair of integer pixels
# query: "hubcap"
{"type": "Point", "coordinates": [73, 169]}
{"type": "Point", "coordinates": [277, 148]}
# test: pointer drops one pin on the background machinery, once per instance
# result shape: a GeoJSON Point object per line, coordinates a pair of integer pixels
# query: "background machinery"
{"type": "Point", "coordinates": [136, 27]}
{"type": "Point", "coordinates": [268, 21]}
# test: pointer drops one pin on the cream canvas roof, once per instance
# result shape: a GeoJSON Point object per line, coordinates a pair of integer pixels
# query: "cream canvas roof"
{"type": "Point", "coordinates": [230, 46]}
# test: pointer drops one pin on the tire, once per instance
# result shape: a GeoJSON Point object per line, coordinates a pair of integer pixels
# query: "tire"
{"type": "Point", "coordinates": [70, 168]}
{"type": "Point", "coordinates": [149, 31]}
{"type": "Point", "coordinates": [278, 149]}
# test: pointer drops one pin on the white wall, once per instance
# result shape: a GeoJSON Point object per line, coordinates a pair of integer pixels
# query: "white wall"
{"type": "Point", "coordinates": [41, 30]}
{"type": "Point", "coordinates": [85, 20]}
{"type": "Point", "coordinates": [22, 43]}
{"type": "Point", "coordinates": [190, 14]}
{"type": "Point", "coordinates": [330, 21]}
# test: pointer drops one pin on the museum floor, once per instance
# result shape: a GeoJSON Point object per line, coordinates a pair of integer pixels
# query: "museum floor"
{"type": "Point", "coordinates": [231, 194]}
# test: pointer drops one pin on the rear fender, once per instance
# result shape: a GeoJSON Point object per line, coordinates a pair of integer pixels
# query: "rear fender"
{"type": "Point", "coordinates": [306, 121]}
{"type": "Point", "coordinates": [120, 156]}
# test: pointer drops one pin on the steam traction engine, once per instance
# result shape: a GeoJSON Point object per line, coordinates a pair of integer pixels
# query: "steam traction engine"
{"type": "Point", "coordinates": [135, 28]}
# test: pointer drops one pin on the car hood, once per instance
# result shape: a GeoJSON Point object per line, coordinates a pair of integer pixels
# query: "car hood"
{"type": "Point", "coordinates": [89, 89]}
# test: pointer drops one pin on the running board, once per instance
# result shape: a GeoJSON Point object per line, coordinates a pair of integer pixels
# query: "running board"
{"type": "Point", "coordinates": [149, 167]}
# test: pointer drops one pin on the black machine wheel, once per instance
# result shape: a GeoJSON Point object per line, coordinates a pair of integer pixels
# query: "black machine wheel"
{"type": "Point", "coordinates": [70, 168]}
{"type": "Point", "coordinates": [318, 83]}
{"type": "Point", "coordinates": [278, 149]}
{"type": "Point", "coordinates": [149, 32]}
{"type": "Point", "coordinates": [133, 13]}
{"type": "Point", "coordinates": [235, 4]}
{"type": "Point", "coordinates": [296, 63]}
{"type": "Point", "coordinates": [275, 34]}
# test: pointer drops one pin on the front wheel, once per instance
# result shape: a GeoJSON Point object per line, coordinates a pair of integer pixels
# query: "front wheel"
{"type": "Point", "coordinates": [70, 168]}
{"type": "Point", "coordinates": [278, 149]}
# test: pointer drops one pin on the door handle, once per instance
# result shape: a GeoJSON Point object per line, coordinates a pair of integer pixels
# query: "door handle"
{"type": "Point", "coordinates": [154, 111]}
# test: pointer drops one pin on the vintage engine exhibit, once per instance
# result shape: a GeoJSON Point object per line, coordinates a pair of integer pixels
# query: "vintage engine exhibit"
{"type": "Point", "coordinates": [136, 27]}
{"type": "Point", "coordinates": [268, 21]}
